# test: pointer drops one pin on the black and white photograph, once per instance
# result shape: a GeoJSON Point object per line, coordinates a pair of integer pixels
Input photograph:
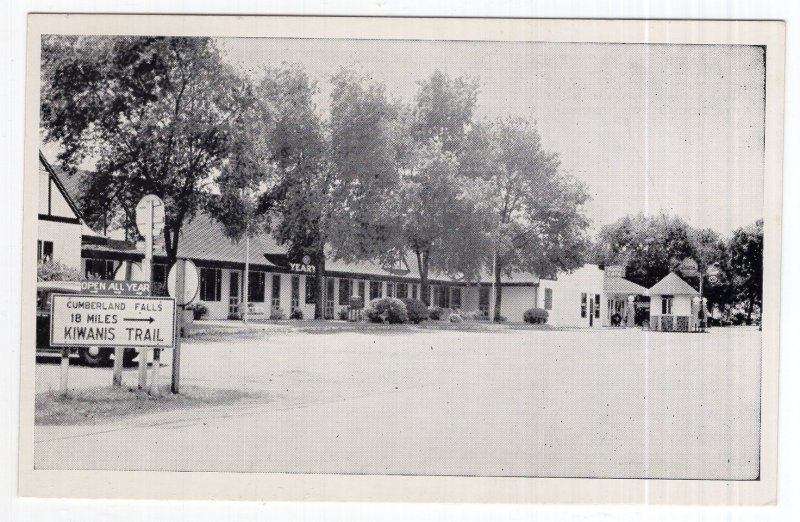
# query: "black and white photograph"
{"type": "Point", "coordinates": [416, 257]}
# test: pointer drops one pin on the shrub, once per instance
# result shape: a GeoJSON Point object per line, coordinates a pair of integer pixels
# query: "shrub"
{"type": "Point", "coordinates": [50, 270]}
{"type": "Point", "coordinates": [277, 314]}
{"type": "Point", "coordinates": [475, 315]}
{"type": "Point", "coordinates": [199, 309]}
{"type": "Point", "coordinates": [435, 313]}
{"type": "Point", "coordinates": [535, 316]}
{"type": "Point", "coordinates": [235, 316]}
{"type": "Point", "coordinates": [296, 314]}
{"type": "Point", "coordinates": [386, 309]}
{"type": "Point", "coordinates": [455, 318]}
{"type": "Point", "coordinates": [502, 319]}
{"type": "Point", "coordinates": [416, 310]}
{"type": "Point", "coordinates": [344, 314]}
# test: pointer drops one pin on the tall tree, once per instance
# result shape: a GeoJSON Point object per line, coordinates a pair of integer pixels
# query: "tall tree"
{"type": "Point", "coordinates": [444, 109]}
{"type": "Point", "coordinates": [537, 212]}
{"type": "Point", "coordinates": [300, 199]}
{"type": "Point", "coordinates": [152, 113]}
{"type": "Point", "coordinates": [439, 218]}
{"type": "Point", "coordinates": [746, 250]}
{"type": "Point", "coordinates": [650, 246]}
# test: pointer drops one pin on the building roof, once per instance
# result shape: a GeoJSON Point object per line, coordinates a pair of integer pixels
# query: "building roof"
{"type": "Point", "coordinates": [672, 284]}
{"type": "Point", "coordinates": [620, 285]}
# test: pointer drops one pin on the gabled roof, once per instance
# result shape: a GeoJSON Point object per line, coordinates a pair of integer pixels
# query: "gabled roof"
{"type": "Point", "coordinates": [672, 284]}
{"type": "Point", "coordinates": [58, 182]}
{"type": "Point", "coordinates": [620, 285]}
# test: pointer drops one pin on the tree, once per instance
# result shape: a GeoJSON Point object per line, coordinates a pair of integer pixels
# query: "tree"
{"type": "Point", "coordinates": [746, 250]}
{"type": "Point", "coordinates": [439, 220]}
{"type": "Point", "coordinates": [538, 224]}
{"type": "Point", "coordinates": [443, 110]}
{"type": "Point", "coordinates": [154, 114]}
{"type": "Point", "coordinates": [300, 199]}
{"type": "Point", "coordinates": [650, 246]}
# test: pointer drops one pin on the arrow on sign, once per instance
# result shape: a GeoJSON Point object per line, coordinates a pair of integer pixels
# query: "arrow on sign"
{"type": "Point", "coordinates": [148, 319]}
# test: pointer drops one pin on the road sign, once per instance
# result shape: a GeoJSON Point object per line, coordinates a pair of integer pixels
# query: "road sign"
{"type": "Point", "coordinates": [150, 215]}
{"type": "Point", "coordinates": [94, 320]}
{"type": "Point", "coordinates": [191, 283]}
{"type": "Point", "coordinates": [109, 287]}
{"type": "Point", "coordinates": [713, 270]}
{"type": "Point", "coordinates": [712, 279]}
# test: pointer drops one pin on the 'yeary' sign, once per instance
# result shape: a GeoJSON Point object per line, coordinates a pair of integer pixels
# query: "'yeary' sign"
{"type": "Point", "coordinates": [93, 320]}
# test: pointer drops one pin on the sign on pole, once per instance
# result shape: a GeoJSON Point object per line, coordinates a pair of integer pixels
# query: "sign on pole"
{"type": "Point", "coordinates": [88, 320]}
{"type": "Point", "coordinates": [111, 287]}
{"type": "Point", "coordinates": [191, 282]}
{"type": "Point", "coordinates": [150, 215]}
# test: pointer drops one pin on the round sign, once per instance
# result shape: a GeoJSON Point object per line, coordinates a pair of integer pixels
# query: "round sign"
{"type": "Point", "coordinates": [191, 283]}
{"type": "Point", "coordinates": [712, 279]}
{"type": "Point", "coordinates": [713, 271]}
{"type": "Point", "coordinates": [150, 215]}
{"type": "Point", "coordinates": [306, 260]}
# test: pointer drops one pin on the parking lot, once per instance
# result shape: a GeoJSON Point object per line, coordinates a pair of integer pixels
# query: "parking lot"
{"type": "Point", "coordinates": [397, 400]}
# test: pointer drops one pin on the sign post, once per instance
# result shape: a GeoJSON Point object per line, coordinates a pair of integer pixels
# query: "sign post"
{"type": "Point", "coordinates": [150, 222]}
{"type": "Point", "coordinates": [180, 285]}
{"type": "Point", "coordinates": [110, 321]}
{"type": "Point", "coordinates": [183, 283]}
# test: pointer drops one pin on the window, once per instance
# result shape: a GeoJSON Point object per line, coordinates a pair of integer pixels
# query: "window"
{"type": "Point", "coordinates": [548, 298]}
{"type": "Point", "coordinates": [362, 288]}
{"type": "Point", "coordinates": [44, 251]}
{"type": "Point", "coordinates": [455, 298]}
{"type": "Point", "coordinates": [344, 292]}
{"type": "Point", "coordinates": [433, 294]}
{"type": "Point", "coordinates": [311, 289]}
{"type": "Point", "coordinates": [276, 292]}
{"type": "Point", "coordinates": [210, 284]}
{"type": "Point", "coordinates": [597, 306]}
{"type": "Point", "coordinates": [295, 292]}
{"type": "Point", "coordinates": [402, 290]}
{"type": "Point", "coordinates": [256, 286]}
{"type": "Point", "coordinates": [444, 297]}
{"type": "Point", "coordinates": [99, 269]}
{"type": "Point", "coordinates": [160, 273]}
{"type": "Point", "coordinates": [584, 305]}
{"type": "Point", "coordinates": [374, 289]}
{"type": "Point", "coordinates": [414, 291]}
{"type": "Point", "coordinates": [666, 305]}
{"type": "Point", "coordinates": [389, 289]}
{"type": "Point", "coordinates": [483, 299]}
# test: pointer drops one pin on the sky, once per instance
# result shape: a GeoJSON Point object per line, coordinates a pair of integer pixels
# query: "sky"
{"type": "Point", "coordinates": [646, 127]}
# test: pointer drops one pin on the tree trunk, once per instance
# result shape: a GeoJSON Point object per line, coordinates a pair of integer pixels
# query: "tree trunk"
{"type": "Point", "coordinates": [319, 272]}
{"type": "Point", "coordinates": [171, 245]}
{"type": "Point", "coordinates": [498, 290]}
{"type": "Point", "coordinates": [424, 287]}
{"type": "Point", "coordinates": [749, 319]}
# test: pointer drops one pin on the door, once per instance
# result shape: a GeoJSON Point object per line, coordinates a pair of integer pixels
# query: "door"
{"type": "Point", "coordinates": [233, 293]}
{"type": "Point", "coordinates": [591, 312]}
{"type": "Point", "coordinates": [329, 295]}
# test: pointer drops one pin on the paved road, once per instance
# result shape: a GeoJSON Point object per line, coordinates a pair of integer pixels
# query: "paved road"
{"type": "Point", "coordinates": [608, 403]}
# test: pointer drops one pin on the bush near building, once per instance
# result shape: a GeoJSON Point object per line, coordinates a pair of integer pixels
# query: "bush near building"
{"type": "Point", "coordinates": [416, 310]}
{"type": "Point", "coordinates": [435, 313]}
{"type": "Point", "coordinates": [386, 310]}
{"type": "Point", "coordinates": [535, 316]}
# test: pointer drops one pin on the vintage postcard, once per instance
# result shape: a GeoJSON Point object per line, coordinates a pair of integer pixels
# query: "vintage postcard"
{"type": "Point", "coordinates": [461, 260]}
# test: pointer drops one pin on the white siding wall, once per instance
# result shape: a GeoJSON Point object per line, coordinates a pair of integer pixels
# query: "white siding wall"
{"type": "Point", "coordinates": [515, 300]}
{"type": "Point", "coordinates": [66, 238]}
{"type": "Point", "coordinates": [567, 290]}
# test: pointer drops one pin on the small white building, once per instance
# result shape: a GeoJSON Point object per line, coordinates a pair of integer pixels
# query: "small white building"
{"type": "Point", "coordinates": [673, 307]}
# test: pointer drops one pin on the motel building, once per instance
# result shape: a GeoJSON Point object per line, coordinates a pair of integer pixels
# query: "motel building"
{"type": "Point", "coordinates": [589, 296]}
